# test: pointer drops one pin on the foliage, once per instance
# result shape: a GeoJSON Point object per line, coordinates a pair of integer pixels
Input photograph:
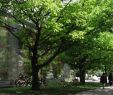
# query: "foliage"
{"type": "Point", "coordinates": [95, 41]}
{"type": "Point", "coordinates": [46, 28]}
{"type": "Point", "coordinates": [42, 27]}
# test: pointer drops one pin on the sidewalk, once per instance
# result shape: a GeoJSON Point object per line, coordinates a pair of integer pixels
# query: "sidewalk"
{"type": "Point", "coordinates": [99, 91]}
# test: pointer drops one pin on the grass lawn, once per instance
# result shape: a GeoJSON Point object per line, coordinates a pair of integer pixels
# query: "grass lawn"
{"type": "Point", "coordinates": [53, 89]}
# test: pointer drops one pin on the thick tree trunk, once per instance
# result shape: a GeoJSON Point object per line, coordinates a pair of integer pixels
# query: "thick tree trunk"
{"type": "Point", "coordinates": [82, 69]}
{"type": "Point", "coordinates": [82, 75]}
{"type": "Point", "coordinates": [35, 77]}
{"type": "Point", "coordinates": [35, 71]}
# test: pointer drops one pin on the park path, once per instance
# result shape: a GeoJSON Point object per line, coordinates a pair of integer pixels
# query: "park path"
{"type": "Point", "coordinates": [99, 91]}
{"type": "Point", "coordinates": [14, 94]}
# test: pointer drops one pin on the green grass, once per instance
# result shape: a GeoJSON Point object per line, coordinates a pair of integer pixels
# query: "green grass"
{"type": "Point", "coordinates": [57, 90]}
{"type": "Point", "coordinates": [16, 90]}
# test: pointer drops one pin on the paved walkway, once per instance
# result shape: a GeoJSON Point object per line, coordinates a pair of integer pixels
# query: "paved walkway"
{"type": "Point", "coordinates": [100, 91]}
{"type": "Point", "coordinates": [14, 94]}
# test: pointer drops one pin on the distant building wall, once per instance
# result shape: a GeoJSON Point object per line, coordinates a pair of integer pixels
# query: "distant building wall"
{"type": "Point", "coordinates": [14, 60]}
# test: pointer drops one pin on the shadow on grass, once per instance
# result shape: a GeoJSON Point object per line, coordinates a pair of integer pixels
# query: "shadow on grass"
{"type": "Point", "coordinates": [52, 89]}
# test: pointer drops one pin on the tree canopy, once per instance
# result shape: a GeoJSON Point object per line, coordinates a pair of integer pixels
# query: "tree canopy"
{"type": "Point", "coordinates": [46, 28]}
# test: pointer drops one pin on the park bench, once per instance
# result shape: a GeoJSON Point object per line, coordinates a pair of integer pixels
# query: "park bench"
{"type": "Point", "coordinates": [5, 83]}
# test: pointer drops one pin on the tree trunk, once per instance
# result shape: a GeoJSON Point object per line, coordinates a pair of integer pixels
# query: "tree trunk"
{"type": "Point", "coordinates": [82, 75]}
{"type": "Point", "coordinates": [35, 79]}
{"type": "Point", "coordinates": [105, 70]}
{"type": "Point", "coordinates": [82, 69]}
{"type": "Point", "coordinates": [35, 71]}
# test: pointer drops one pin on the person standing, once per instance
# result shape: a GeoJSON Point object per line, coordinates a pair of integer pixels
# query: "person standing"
{"type": "Point", "coordinates": [110, 78]}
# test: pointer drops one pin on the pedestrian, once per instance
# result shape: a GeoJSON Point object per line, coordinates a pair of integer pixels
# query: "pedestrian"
{"type": "Point", "coordinates": [110, 78]}
{"type": "Point", "coordinates": [103, 79]}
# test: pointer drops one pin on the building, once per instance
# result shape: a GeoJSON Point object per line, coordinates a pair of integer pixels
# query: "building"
{"type": "Point", "coordinates": [10, 59]}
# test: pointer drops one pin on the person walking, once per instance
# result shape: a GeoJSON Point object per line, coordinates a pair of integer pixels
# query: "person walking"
{"type": "Point", "coordinates": [110, 78]}
{"type": "Point", "coordinates": [103, 79]}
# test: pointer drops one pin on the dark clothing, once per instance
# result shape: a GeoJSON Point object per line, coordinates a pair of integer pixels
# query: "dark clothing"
{"type": "Point", "coordinates": [103, 79]}
{"type": "Point", "coordinates": [110, 78]}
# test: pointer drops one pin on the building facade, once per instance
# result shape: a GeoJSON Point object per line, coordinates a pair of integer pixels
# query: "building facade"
{"type": "Point", "coordinates": [10, 60]}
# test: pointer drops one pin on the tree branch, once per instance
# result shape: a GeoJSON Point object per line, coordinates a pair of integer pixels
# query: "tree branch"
{"type": "Point", "coordinates": [23, 21]}
{"type": "Point", "coordinates": [61, 13]}
{"type": "Point", "coordinates": [10, 29]}
{"type": "Point", "coordinates": [50, 59]}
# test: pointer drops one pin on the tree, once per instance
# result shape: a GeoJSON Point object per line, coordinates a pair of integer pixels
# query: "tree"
{"type": "Point", "coordinates": [41, 27]}
{"type": "Point", "coordinates": [93, 47]}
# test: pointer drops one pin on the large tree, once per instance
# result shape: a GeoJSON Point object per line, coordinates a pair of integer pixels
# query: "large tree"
{"type": "Point", "coordinates": [41, 26]}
